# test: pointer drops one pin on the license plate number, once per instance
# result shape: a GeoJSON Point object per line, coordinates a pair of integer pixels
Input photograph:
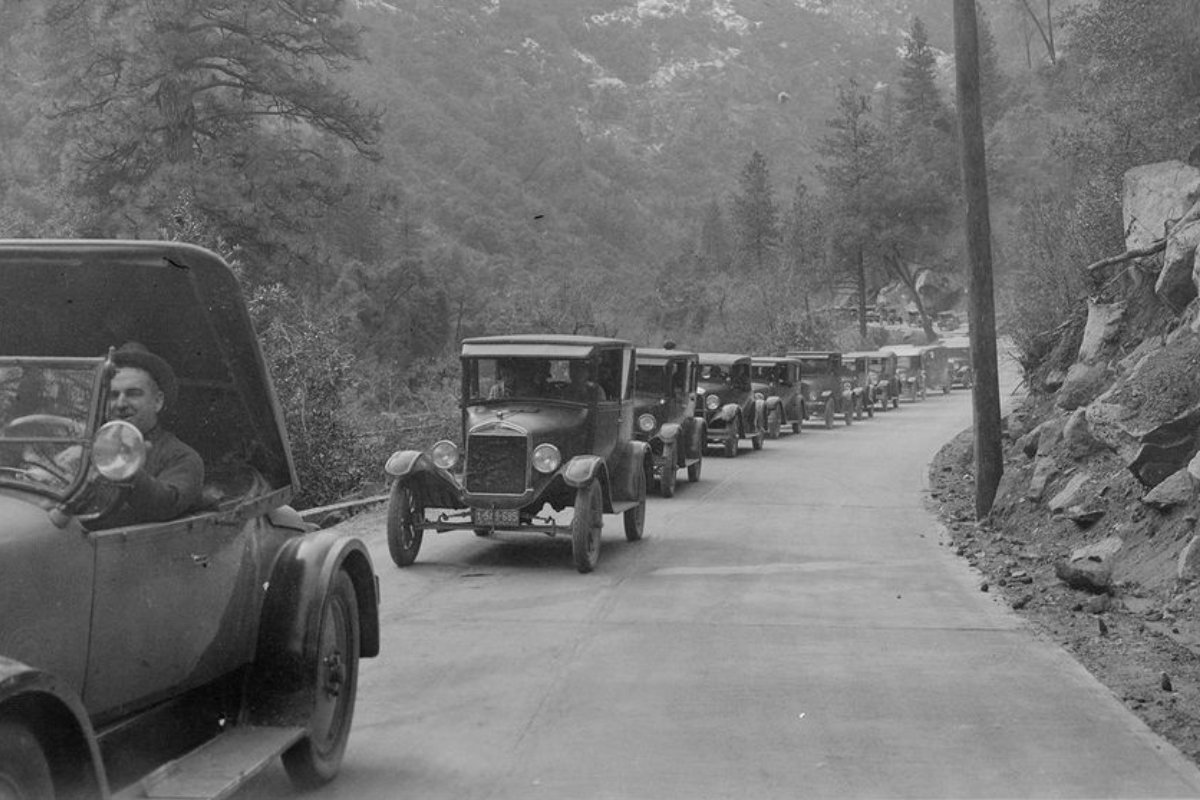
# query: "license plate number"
{"type": "Point", "coordinates": [497, 517]}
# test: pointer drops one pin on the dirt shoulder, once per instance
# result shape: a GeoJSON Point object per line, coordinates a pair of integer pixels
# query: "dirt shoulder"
{"type": "Point", "coordinates": [1142, 639]}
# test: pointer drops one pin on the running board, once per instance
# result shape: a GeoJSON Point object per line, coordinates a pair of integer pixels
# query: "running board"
{"type": "Point", "coordinates": [216, 769]}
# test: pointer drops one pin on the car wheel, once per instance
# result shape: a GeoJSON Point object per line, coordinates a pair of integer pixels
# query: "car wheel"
{"type": "Point", "coordinates": [871, 409]}
{"type": "Point", "coordinates": [24, 770]}
{"type": "Point", "coordinates": [849, 413]}
{"type": "Point", "coordinates": [858, 408]}
{"type": "Point", "coordinates": [896, 401]}
{"type": "Point", "coordinates": [774, 423]}
{"type": "Point", "coordinates": [912, 393]}
{"type": "Point", "coordinates": [666, 481]}
{"type": "Point", "coordinates": [483, 533]}
{"type": "Point", "coordinates": [945, 388]}
{"type": "Point", "coordinates": [695, 467]}
{"type": "Point", "coordinates": [796, 427]}
{"type": "Point", "coordinates": [829, 415]}
{"type": "Point", "coordinates": [635, 518]}
{"type": "Point", "coordinates": [756, 441]}
{"type": "Point", "coordinates": [731, 443]}
{"type": "Point", "coordinates": [586, 526]}
{"type": "Point", "coordinates": [404, 537]}
{"type": "Point", "coordinates": [316, 759]}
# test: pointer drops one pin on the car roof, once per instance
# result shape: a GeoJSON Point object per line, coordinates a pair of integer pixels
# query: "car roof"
{"type": "Point", "coordinates": [80, 297]}
{"type": "Point", "coordinates": [723, 359]}
{"type": "Point", "coordinates": [866, 354]}
{"type": "Point", "coordinates": [659, 355]}
{"type": "Point", "coordinates": [957, 341]}
{"type": "Point", "coordinates": [812, 353]}
{"type": "Point", "coordinates": [905, 349]}
{"type": "Point", "coordinates": [537, 345]}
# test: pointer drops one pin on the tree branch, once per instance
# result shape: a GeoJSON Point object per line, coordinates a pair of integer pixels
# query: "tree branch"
{"type": "Point", "coordinates": [1156, 246]}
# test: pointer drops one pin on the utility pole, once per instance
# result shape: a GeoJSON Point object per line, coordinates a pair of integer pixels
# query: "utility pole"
{"type": "Point", "coordinates": [989, 459]}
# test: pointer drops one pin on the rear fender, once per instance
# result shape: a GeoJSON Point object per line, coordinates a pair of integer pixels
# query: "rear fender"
{"type": "Point", "coordinates": [279, 692]}
{"type": "Point", "coordinates": [60, 722]}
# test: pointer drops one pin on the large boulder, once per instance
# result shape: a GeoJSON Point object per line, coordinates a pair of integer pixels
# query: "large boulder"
{"type": "Point", "coordinates": [1090, 568]}
{"type": "Point", "coordinates": [1102, 331]}
{"type": "Point", "coordinates": [1156, 195]}
{"type": "Point", "coordinates": [1177, 281]}
{"type": "Point", "coordinates": [1084, 383]}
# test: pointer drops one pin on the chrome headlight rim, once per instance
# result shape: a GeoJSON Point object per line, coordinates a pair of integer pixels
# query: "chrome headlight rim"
{"type": "Point", "coordinates": [712, 402]}
{"type": "Point", "coordinates": [546, 458]}
{"type": "Point", "coordinates": [646, 423]}
{"type": "Point", "coordinates": [444, 454]}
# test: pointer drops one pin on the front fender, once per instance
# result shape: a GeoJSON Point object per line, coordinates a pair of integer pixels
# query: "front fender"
{"type": "Point", "coordinates": [300, 579]}
{"type": "Point", "coordinates": [773, 403]}
{"type": "Point", "coordinates": [669, 432]}
{"type": "Point", "coordinates": [56, 715]}
{"type": "Point", "coordinates": [403, 463]}
{"type": "Point", "coordinates": [729, 412]}
{"type": "Point", "coordinates": [582, 470]}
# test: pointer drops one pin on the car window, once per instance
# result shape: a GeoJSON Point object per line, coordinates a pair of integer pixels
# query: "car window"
{"type": "Point", "coordinates": [44, 413]}
{"type": "Point", "coordinates": [814, 366]}
{"type": "Point", "coordinates": [652, 379]}
{"type": "Point", "coordinates": [608, 373]}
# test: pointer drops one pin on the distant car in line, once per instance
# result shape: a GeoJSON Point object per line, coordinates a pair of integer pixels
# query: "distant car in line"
{"type": "Point", "coordinates": [666, 414]}
{"type": "Point", "coordinates": [729, 408]}
{"type": "Point", "coordinates": [776, 379]}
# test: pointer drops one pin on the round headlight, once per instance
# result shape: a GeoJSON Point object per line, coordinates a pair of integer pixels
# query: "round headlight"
{"type": "Point", "coordinates": [445, 454]}
{"type": "Point", "coordinates": [546, 458]}
{"type": "Point", "coordinates": [646, 423]}
{"type": "Point", "coordinates": [118, 451]}
{"type": "Point", "coordinates": [712, 402]}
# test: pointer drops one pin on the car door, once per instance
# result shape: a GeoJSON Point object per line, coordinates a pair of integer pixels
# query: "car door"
{"type": "Point", "coordinates": [174, 607]}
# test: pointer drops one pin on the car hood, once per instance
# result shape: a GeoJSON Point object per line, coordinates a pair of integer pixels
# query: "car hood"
{"type": "Point", "coordinates": [558, 425]}
{"type": "Point", "coordinates": [22, 516]}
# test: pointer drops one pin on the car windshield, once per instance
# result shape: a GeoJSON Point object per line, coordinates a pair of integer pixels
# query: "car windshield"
{"type": "Point", "coordinates": [45, 410]}
{"type": "Point", "coordinates": [529, 378]}
{"type": "Point", "coordinates": [763, 373]}
{"type": "Point", "coordinates": [815, 366]}
{"type": "Point", "coordinates": [652, 380]}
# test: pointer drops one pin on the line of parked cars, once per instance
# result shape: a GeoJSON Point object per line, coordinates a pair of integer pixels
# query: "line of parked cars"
{"type": "Point", "coordinates": [551, 422]}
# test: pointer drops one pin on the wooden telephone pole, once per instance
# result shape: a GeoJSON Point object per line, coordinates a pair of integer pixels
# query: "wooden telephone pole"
{"type": "Point", "coordinates": [989, 459]}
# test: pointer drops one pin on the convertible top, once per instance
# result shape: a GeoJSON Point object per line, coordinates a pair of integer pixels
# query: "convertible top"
{"type": "Point", "coordinates": [81, 297]}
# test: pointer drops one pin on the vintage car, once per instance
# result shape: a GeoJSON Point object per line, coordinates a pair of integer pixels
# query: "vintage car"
{"type": "Point", "coordinates": [827, 387]}
{"type": "Point", "coordinates": [858, 367]}
{"type": "Point", "coordinates": [937, 368]}
{"type": "Point", "coordinates": [666, 414]}
{"type": "Point", "coordinates": [210, 643]}
{"type": "Point", "coordinates": [958, 362]}
{"type": "Point", "coordinates": [880, 366]}
{"type": "Point", "coordinates": [727, 404]}
{"type": "Point", "coordinates": [547, 420]}
{"type": "Point", "coordinates": [776, 379]}
{"type": "Point", "coordinates": [910, 370]}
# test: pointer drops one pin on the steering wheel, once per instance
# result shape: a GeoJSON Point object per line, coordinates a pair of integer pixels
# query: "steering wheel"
{"type": "Point", "coordinates": [64, 425]}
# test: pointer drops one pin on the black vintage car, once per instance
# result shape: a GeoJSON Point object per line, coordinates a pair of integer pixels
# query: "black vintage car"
{"type": "Point", "coordinates": [666, 414]}
{"type": "Point", "coordinates": [880, 376]}
{"type": "Point", "coordinates": [858, 367]}
{"type": "Point", "coordinates": [958, 362]}
{"type": "Point", "coordinates": [828, 388]}
{"type": "Point", "coordinates": [213, 641]}
{"type": "Point", "coordinates": [937, 368]}
{"type": "Point", "coordinates": [776, 381]}
{"type": "Point", "coordinates": [546, 421]}
{"type": "Point", "coordinates": [729, 408]}
{"type": "Point", "coordinates": [910, 370]}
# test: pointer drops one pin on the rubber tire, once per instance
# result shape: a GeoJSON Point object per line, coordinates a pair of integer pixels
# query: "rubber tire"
{"type": "Point", "coordinates": [828, 414]}
{"type": "Point", "coordinates": [635, 518]}
{"type": "Point", "coordinates": [849, 414]}
{"type": "Point", "coordinates": [756, 441]}
{"type": "Point", "coordinates": [871, 410]}
{"type": "Point", "coordinates": [795, 427]}
{"type": "Point", "coordinates": [666, 481]}
{"type": "Point", "coordinates": [24, 770]}
{"type": "Point", "coordinates": [731, 443]}
{"type": "Point", "coordinates": [858, 408]}
{"type": "Point", "coordinates": [695, 468]}
{"type": "Point", "coordinates": [896, 401]}
{"type": "Point", "coordinates": [586, 527]}
{"type": "Point", "coordinates": [315, 760]}
{"type": "Point", "coordinates": [403, 542]}
{"type": "Point", "coordinates": [774, 423]}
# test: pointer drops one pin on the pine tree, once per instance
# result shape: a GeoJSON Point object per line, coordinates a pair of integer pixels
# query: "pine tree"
{"type": "Point", "coordinates": [755, 215]}
{"type": "Point", "coordinates": [920, 100]}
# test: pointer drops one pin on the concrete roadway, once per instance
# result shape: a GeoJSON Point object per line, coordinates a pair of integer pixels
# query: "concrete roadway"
{"type": "Point", "coordinates": [791, 626]}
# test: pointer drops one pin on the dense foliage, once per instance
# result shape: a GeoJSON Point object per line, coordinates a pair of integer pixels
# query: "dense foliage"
{"type": "Point", "coordinates": [390, 178]}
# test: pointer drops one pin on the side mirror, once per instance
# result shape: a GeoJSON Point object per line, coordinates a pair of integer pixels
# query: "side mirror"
{"type": "Point", "coordinates": [118, 451]}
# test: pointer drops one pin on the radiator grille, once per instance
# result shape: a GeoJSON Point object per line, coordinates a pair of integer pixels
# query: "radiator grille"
{"type": "Point", "coordinates": [496, 464]}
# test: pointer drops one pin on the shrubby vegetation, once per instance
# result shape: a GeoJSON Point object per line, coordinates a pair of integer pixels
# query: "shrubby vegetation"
{"type": "Point", "coordinates": [388, 180]}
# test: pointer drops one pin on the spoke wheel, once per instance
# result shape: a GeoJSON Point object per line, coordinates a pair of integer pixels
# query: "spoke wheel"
{"type": "Point", "coordinates": [405, 511]}
{"type": "Point", "coordinates": [635, 518]}
{"type": "Point", "coordinates": [666, 481]}
{"type": "Point", "coordinates": [586, 526]}
{"type": "Point", "coordinates": [24, 771]}
{"type": "Point", "coordinates": [316, 759]}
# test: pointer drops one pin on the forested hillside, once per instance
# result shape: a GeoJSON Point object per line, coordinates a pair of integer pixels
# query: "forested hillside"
{"type": "Point", "coordinates": [391, 177]}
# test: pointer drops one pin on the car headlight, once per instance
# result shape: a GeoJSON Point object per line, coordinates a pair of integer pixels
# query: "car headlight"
{"type": "Point", "coordinates": [712, 402]}
{"type": "Point", "coordinates": [546, 458]}
{"type": "Point", "coordinates": [445, 454]}
{"type": "Point", "coordinates": [646, 423]}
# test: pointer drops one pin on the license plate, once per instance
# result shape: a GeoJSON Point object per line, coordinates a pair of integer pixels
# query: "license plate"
{"type": "Point", "coordinates": [497, 517]}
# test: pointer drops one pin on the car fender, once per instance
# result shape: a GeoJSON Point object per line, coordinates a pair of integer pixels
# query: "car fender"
{"type": "Point", "coordinates": [57, 717]}
{"type": "Point", "coordinates": [669, 432]}
{"type": "Point", "coordinates": [403, 463]}
{"type": "Point", "coordinates": [300, 579]}
{"type": "Point", "coordinates": [582, 470]}
{"type": "Point", "coordinates": [636, 456]}
{"type": "Point", "coordinates": [728, 412]}
{"type": "Point", "coordinates": [774, 403]}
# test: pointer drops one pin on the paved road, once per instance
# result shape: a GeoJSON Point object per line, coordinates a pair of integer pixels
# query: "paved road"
{"type": "Point", "coordinates": [791, 626]}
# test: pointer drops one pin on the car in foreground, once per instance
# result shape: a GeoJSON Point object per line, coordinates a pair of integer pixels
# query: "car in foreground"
{"type": "Point", "coordinates": [828, 388]}
{"type": "Point", "coordinates": [666, 414]}
{"type": "Point", "coordinates": [728, 406]}
{"type": "Point", "coordinates": [547, 420]}
{"type": "Point", "coordinates": [159, 659]}
{"type": "Point", "coordinates": [776, 380]}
